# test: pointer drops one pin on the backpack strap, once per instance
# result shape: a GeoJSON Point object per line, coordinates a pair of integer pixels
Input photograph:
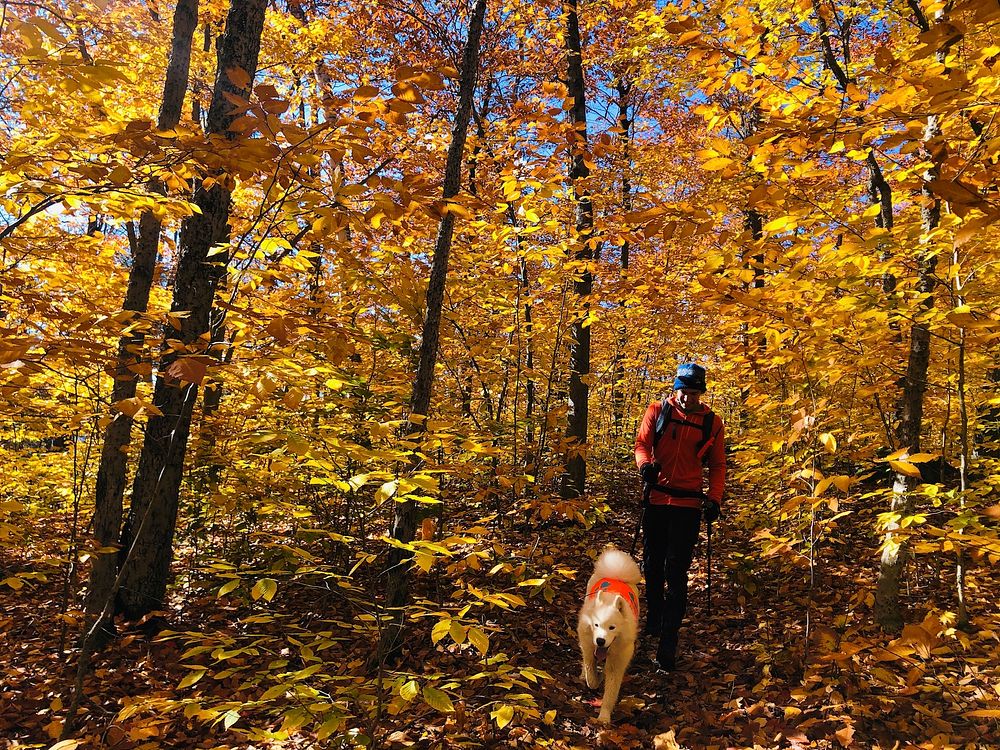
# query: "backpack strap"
{"type": "Point", "coordinates": [707, 422]}
{"type": "Point", "coordinates": [666, 416]}
{"type": "Point", "coordinates": [661, 421]}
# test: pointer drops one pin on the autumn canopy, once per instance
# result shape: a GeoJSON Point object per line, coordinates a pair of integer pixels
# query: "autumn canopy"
{"type": "Point", "coordinates": [326, 328]}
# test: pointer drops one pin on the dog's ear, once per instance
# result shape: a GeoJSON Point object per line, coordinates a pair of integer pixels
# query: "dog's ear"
{"type": "Point", "coordinates": [620, 604]}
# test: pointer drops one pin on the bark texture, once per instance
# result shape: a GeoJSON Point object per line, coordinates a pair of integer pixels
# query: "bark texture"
{"type": "Point", "coordinates": [149, 529]}
{"type": "Point", "coordinates": [575, 479]}
{"type": "Point", "coordinates": [405, 517]}
{"type": "Point", "coordinates": [888, 612]}
{"type": "Point", "coordinates": [112, 470]}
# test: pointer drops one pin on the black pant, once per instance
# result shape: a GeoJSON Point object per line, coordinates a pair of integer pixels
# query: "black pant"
{"type": "Point", "coordinates": [669, 536]}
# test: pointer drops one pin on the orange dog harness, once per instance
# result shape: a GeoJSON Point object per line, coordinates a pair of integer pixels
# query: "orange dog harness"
{"type": "Point", "coordinates": [611, 586]}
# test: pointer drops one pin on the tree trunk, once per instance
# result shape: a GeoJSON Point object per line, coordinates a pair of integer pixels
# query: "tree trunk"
{"type": "Point", "coordinates": [405, 518]}
{"type": "Point", "coordinates": [575, 479]}
{"type": "Point", "coordinates": [888, 613]}
{"type": "Point", "coordinates": [624, 90]}
{"type": "Point", "coordinates": [149, 528]}
{"type": "Point", "coordinates": [111, 473]}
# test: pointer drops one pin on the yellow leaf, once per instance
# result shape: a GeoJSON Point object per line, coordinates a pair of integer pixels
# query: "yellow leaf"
{"type": "Point", "coordinates": [409, 690]}
{"type": "Point", "coordinates": [424, 561]}
{"type": "Point", "coordinates": [480, 640]}
{"type": "Point", "coordinates": [502, 715]}
{"type": "Point", "coordinates": [843, 483]}
{"type": "Point", "coordinates": [195, 675]}
{"type": "Point", "coordinates": [387, 490]}
{"type": "Point", "coordinates": [408, 93]}
{"type": "Point", "coordinates": [438, 700]}
{"type": "Point", "coordinates": [266, 588]}
{"type": "Point", "coordinates": [905, 468]}
{"type": "Point", "coordinates": [829, 442]}
{"type": "Point", "coordinates": [229, 586]}
{"type": "Point", "coordinates": [457, 631]}
{"type": "Point", "coordinates": [666, 741]}
{"type": "Point", "coordinates": [120, 175]}
{"type": "Point", "coordinates": [719, 162]}
{"type": "Point", "coordinates": [128, 406]}
{"type": "Point", "coordinates": [440, 629]}
{"type": "Point", "coordinates": [781, 224]}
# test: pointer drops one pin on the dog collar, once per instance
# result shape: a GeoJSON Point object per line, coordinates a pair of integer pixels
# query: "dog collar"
{"type": "Point", "coordinates": [613, 586]}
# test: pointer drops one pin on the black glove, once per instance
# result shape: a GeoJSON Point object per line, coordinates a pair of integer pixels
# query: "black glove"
{"type": "Point", "coordinates": [711, 510]}
{"type": "Point", "coordinates": [650, 473]}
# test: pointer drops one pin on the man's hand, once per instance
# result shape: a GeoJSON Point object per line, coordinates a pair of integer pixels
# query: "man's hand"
{"type": "Point", "coordinates": [712, 511]}
{"type": "Point", "coordinates": [650, 473]}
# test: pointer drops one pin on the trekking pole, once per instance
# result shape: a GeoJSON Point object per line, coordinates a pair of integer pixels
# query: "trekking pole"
{"type": "Point", "coordinates": [709, 568]}
{"type": "Point", "coordinates": [646, 489]}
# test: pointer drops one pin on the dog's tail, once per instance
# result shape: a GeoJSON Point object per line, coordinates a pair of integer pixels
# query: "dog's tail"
{"type": "Point", "coordinates": [618, 565]}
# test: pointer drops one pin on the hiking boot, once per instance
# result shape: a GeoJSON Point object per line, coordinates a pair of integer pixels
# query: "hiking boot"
{"type": "Point", "coordinates": [665, 662]}
{"type": "Point", "coordinates": [666, 653]}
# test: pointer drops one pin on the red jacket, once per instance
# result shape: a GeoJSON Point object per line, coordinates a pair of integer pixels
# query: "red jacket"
{"type": "Point", "coordinates": [680, 467]}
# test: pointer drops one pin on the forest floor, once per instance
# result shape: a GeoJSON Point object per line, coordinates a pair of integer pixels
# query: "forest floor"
{"type": "Point", "coordinates": [749, 676]}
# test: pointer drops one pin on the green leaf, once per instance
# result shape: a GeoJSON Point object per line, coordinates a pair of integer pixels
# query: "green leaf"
{"type": "Point", "coordinates": [230, 718]}
{"type": "Point", "coordinates": [438, 700]}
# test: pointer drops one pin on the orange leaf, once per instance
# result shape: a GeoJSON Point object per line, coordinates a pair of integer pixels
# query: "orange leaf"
{"type": "Point", "coordinates": [239, 77]}
{"type": "Point", "coordinates": [189, 369]}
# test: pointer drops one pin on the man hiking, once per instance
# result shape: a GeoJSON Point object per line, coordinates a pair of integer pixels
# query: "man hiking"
{"type": "Point", "coordinates": [678, 437]}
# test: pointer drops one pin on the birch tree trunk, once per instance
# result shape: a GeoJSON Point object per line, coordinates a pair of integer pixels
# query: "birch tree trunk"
{"type": "Point", "coordinates": [147, 538]}
{"type": "Point", "coordinates": [888, 613]}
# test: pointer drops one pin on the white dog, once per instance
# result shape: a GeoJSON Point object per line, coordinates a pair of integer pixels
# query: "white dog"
{"type": "Point", "coordinates": [608, 624]}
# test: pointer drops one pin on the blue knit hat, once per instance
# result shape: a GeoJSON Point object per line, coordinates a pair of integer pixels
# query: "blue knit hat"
{"type": "Point", "coordinates": [690, 375]}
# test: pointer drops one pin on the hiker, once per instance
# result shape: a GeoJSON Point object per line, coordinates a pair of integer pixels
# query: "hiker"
{"type": "Point", "coordinates": [671, 452]}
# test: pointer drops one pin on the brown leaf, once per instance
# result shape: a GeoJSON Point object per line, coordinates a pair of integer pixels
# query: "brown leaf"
{"type": "Point", "coordinates": [845, 736]}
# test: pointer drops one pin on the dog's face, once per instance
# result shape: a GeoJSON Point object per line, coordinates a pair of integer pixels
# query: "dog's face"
{"type": "Point", "coordinates": [607, 618]}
